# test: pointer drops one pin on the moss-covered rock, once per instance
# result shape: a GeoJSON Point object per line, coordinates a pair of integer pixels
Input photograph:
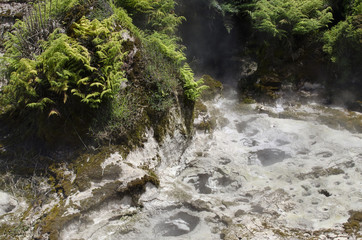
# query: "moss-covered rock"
{"type": "Point", "coordinates": [208, 124]}
{"type": "Point", "coordinates": [200, 108]}
{"type": "Point", "coordinates": [98, 178]}
{"type": "Point", "coordinates": [88, 168]}
{"type": "Point", "coordinates": [214, 87]}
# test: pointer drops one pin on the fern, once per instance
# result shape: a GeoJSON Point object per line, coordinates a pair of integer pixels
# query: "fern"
{"type": "Point", "coordinates": [168, 47]}
{"type": "Point", "coordinates": [193, 89]}
{"type": "Point", "coordinates": [41, 104]}
{"type": "Point", "coordinates": [80, 65]}
{"type": "Point", "coordinates": [343, 44]}
{"type": "Point", "coordinates": [64, 62]}
{"type": "Point", "coordinates": [160, 14]}
{"type": "Point", "coordinates": [282, 18]}
{"type": "Point", "coordinates": [22, 84]}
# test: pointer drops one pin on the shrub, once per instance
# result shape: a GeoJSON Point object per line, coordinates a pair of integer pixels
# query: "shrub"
{"type": "Point", "coordinates": [343, 43]}
{"type": "Point", "coordinates": [81, 65]}
{"type": "Point", "coordinates": [175, 70]}
{"type": "Point", "coordinates": [87, 66]}
{"type": "Point", "coordinates": [283, 18]}
{"type": "Point", "coordinates": [154, 15]}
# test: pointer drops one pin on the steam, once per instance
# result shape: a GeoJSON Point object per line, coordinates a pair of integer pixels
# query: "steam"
{"type": "Point", "coordinates": [211, 49]}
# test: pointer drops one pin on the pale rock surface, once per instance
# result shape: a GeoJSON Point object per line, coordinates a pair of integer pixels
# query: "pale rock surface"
{"type": "Point", "coordinates": [7, 203]}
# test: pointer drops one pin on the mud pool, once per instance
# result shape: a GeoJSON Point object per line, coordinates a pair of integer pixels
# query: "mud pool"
{"type": "Point", "coordinates": [264, 172]}
{"type": "Point", "coordinates": [279, 171]}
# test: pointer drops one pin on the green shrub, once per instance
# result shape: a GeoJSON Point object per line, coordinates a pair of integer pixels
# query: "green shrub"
{"type": "Point", "coordinates": [343, 43]}
{"type": "Point", "coordinates": [87, 65]}
{"type": "Point", "coordinates": [78, 69]}
{"type": "Point", "coordinates": [154, 15]}
{"type": "Point", "coordinates": [345, 35]}
{"type": "Point", "coordinates": [282, 18]}
{"type": "Point", "coordinates": [166, 61]}
{"type": "Point", "coordinates": [175, 70]}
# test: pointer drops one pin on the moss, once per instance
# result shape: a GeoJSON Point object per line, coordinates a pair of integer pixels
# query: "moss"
{"type": "Point", "coordinates": [280, 233]}
{"type": "Point", "coordinates": [88, 167]}
{"type": "Point", "coordinates": [214, 87]}
{"type": "Point", "coordinates": [112, 172]}
{"type": "Point", "coordinates": [353, 225]}
{"type": "Point", "coordinates": [187, 111]}
{"type": "Point", "coordinates": [200, 108]}
{"type": "Point", "coordinates": [248, 100]}
{"type": "Point", "coordinates": [99, 196]}
{"type": "Point", "coordinates": [153, 177]}
{"type": "Point", "coordinates": [137, 187]}
{"type": "Point", "coordinates": [60, 181]}
{"type": "Point", "coordinates": [140, 183]}
{"type": "Point", "coordinates": [53, 221]}
{"type": "Point", "coordinates": [320, 172]}
{"type": "Point", "coordinates": [160, 126]}
{"type": "Point", "coordinates": [135, 137]}
{"type": "Point", "coordinates": [10, 231]}
{"type": "Point", "coordinates": [263, 85]}
{"type": "Point", "coordinates": [50, 222]}
{"type": "Point", "coordinates": [350, 121]}
{"type": "Point", "coordinates": [269, 86]}
{"type": "Point", "coordinates": [334, 171]}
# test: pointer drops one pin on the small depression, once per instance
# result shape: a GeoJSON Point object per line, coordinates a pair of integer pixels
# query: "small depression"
{"type": "Point", "coordinates": [224, 180]}
{"type": "Point", "coordinates": [325, 154]}
{"type": "Point", "coordinates": [210, 183]}
{"type": "Point", "coordinates": [303, 151]}
{"type": "Point", "coordinates": [252, 132]}
{"type": "Point", "coordinates": [224, 161]}
{"type": "Point", "coordinates": [247, 142]}
{"type": "Point", "coordinates": [242, 126]}
{"type": "Point", "coordinates": [271, 156]}
{"type": "Point", "coordinates": [257, 209]}
{"type": "Point", "coordinates": [177, 225]}
{"type": "Point", "coordinates": [201, 184]}
{"type": "Point", "coordinates": [281, 142]}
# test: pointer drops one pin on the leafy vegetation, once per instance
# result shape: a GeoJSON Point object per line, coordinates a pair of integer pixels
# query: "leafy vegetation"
{"type": "Point", "coordinates": [66, 69]}
{"type": "Point", "coordinates": [294, 41]}
{"type": "Point", "coordinates": [174, 65]}
{"type": "Point", "coordinates": [232, 6]}
{"type": "Point", "coordinates": [282, 18]}
{"type": "Point", "coordinates": [95, 64]}
{"type": "Point", "coordinates": [153, 15]}
{"type": "Point", "coordinates": [343, 42]}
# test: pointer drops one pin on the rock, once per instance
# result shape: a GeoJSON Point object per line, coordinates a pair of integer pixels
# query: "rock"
{"type": "Point", "coordinates": [201, 205]}
{"type": "Point", "coordinates": [7, 203]}
{"type": "Point", "coordinates": [248, 67]}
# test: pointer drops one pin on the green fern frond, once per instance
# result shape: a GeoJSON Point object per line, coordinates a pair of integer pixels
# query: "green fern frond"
{"type": "Point", "coordinates": [106, 92]}
{"type": "Point", "coordinates": [83, 81]}
{"type": "Point", "coordinates": [97, 84]}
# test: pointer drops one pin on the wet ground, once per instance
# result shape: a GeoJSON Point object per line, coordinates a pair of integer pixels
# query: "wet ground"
{"type": "Point", "coordinates": [264, 172]}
